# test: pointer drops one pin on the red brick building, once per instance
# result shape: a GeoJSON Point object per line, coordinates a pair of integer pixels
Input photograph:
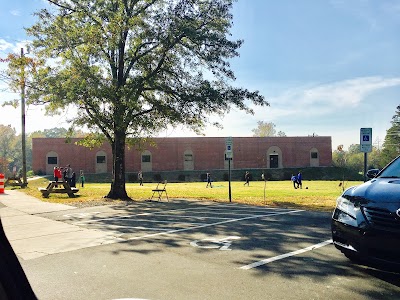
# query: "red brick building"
{"type": "Point", "coordinates": [186, 154]}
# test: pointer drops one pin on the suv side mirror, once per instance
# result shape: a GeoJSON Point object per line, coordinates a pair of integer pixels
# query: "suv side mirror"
{"type": "Point", "coordinates": [372, 173]}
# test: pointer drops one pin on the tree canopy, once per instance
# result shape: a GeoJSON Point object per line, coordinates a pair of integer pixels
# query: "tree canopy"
{"type": "Point", "coordinates": [391, 145]}
{"type": "Point", "coordinates": [132, 67]}
{"type": "Point", "coordinates": [266, 129]}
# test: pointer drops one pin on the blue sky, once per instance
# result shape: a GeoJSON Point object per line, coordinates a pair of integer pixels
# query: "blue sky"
{"type": "Point", "coordinates": [326, 67]}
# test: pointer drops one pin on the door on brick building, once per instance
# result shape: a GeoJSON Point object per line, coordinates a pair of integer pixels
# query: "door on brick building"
{"type": "Point", "coordinates": [146, 164]}
{"type": "Point", "coordinates": [274, 161]}
{"type": "Point", "coordinates": [188, 160]}
{"type": "Point", "coordinates": [101, 162]}
{"type": "Point", "coordinates": [51, 162]}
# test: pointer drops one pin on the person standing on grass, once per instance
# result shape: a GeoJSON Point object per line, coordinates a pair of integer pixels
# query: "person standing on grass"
{"type": "Point", "coordinates": [63, 173]}
{"type": "Point", "coordinates": [73, 180]}
{"type": "Point", "coordinates": [82, 177]}
{"type": "Point", "coordinates": [60, 174]}
{"type": "Point", "coordinates": [209, 180]}
{"type": "Point", "coordinates": [56, 174]}
{"type": "Point", "coordinates": [299, 180]}
{"type": "Point", "coordinates": [247, 178]}
{"type": "Point", "coordinates": [294, 180]}
{"type": "Point", "coordinates": [140, 178]}
{"type": "Point", "coordinates": [69, 174]}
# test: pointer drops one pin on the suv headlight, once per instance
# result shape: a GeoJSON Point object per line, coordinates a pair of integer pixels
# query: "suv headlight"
{"type": "Point", "coordinates": [346, 212]}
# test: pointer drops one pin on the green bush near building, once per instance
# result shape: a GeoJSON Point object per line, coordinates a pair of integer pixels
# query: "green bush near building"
{"type": "Point", "coordinates": [314, 173]}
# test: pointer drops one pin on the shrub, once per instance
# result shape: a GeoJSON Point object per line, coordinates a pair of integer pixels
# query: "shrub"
{"type": "Point", "coordinates": [30, 173]}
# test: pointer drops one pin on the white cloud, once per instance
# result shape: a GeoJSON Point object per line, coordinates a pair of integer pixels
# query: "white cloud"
{"type": "Point", "coordinates": [4, 45]}
{"type": "Point", "coordinates": [15, 12]}
{"type": "Point", "coordinates": [326, 98]}
{"type": "Point", "coordinates": [296, 110]}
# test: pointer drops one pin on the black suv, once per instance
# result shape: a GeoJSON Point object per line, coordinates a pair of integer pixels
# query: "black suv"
{"type": "Point", "coordinates": [366, 220]}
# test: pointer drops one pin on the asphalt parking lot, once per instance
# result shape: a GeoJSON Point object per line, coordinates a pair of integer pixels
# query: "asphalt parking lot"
{"type": "Point", "coordinates": [196, 250]}
{"type": "Point", "coordinates": [251, 232]}
{"type": "Point", "coordinates": [186, 250]}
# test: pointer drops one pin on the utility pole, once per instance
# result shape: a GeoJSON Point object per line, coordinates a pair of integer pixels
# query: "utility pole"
{"type": "Point", "coordinates": [24, 179]}
{"type": "Point", "coordinates": [23, 141]}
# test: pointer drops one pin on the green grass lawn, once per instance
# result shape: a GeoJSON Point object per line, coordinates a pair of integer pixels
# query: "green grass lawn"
{"type": "Point", "coordinates": [320, 195]}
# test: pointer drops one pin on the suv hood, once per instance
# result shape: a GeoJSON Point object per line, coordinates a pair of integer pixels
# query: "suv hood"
{"type": "Point", "coordinates": [377, 190]}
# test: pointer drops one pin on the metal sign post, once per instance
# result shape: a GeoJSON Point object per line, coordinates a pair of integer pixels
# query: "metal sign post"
{"type": "Point", "coordinates": [229, 176]}
{"type": "Point", "coordinates": [365, 146]}
{"type": "Point", "coordinates": [229, 151]}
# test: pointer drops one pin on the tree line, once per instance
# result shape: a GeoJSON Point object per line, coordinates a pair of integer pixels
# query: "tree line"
{"type": "Point", "coordinates": [380, 156]}
{"type": "Point", "coordinates": [11, 146]}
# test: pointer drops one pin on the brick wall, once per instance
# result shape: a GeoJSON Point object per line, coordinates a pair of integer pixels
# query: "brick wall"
{"type": "Point", "coordinates": [168, 153]}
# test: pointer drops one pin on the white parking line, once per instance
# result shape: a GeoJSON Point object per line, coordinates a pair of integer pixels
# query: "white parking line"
{"type": "Point", "coordinates": [137, 227]}
{"type": "Point", "coordinates": [213, 224]}
{"type": "Point", "coordinates": [275, 258]}
{"type": "Point", "coordinates": [251, 209]}
{"type": "Point", "coordinates": [128, 216]}
{"type": "Point", "coordinates": [151, 221]}
{"type": "Point", "coordinates": [160, 213]}
{"type": "Point", "coordinates": [192, 217]}
{"type": "Point", "coordinates": [217, 213]}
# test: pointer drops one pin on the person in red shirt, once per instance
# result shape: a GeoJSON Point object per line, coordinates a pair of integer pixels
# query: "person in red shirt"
{"type": "Point", "coordinates": [55, 173]}
{"type": "Point", "coordinates": [59, 173]}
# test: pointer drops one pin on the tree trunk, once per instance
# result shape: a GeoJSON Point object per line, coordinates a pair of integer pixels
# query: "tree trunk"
{"type": "Point", "coordinates": [118, 190]}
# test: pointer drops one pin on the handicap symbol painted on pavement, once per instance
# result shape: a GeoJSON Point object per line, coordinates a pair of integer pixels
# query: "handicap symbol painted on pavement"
{"type": "Point", "coordinates": [215, 243]}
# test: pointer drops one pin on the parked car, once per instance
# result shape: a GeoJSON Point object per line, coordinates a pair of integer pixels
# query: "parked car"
{"type": "Point", "coordinates": [366, 221]}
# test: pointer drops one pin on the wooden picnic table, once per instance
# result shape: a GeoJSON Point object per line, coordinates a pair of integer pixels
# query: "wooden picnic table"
{"type": "Point", "coordinates": [14, 181]}
{"type": "Point", "coordinates": [58, 187]}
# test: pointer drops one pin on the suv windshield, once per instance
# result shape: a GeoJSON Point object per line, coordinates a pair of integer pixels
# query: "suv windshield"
{"type": "Point", "coordinates": [392, 170]}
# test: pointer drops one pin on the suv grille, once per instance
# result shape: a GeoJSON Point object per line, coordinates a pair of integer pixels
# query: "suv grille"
{"type": "Point", "coordinates": [382, 219]}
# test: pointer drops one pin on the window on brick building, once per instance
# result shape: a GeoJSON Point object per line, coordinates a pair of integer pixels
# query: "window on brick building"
{"type": "Point", "coordinates": [146, 161]}
{"type": "Point", "coordinates": [314, 157]}
{"type": "Point", "coordinates": [101, 162]}
{"type": "Point", "coordinates": [101, 159]}
{"type": "Point", "coordinates": [146, 158]}
{"type": "Point", "coordinates": [52, 160]}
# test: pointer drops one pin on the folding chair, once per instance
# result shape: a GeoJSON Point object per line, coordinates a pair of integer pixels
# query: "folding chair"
{"type": "Point", "coordinates": [160, 190]}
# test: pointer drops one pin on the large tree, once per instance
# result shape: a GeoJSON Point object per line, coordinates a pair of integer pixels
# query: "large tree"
{"type": "Point", "coordinates": [391, 145]}
{"type": "Point", "coordinates": [8, 142]}
{"type": "Point", "coordinates": [133, 67]}
{"type": "Point", "coordinates": [266, 129]}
